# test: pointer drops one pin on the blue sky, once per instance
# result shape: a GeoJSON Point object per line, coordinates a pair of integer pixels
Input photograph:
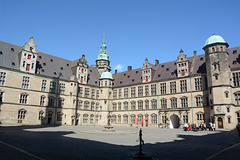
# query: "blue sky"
{"type": "Point", "coordinates": [135, 29]}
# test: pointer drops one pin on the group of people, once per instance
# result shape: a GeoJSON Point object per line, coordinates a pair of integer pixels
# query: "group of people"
{"type": "Point", "coordinates": [199, 126]}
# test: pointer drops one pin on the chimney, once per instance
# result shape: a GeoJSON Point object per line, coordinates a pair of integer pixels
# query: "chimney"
{"type": "Point", "coordinates": [115, 71]}
{"type": "Point", "coordinates": [156, 62]}
{"type": "Point", "coordinates": [195, 53]}
{"type": "Point", "coordinates": [129, 68]}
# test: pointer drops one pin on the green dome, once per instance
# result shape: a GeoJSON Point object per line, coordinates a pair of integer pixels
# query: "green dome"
{"type": "Point", "coordinates": [106, 75]}
{"type": "Point", "coordinates": [214, 39]}
{"type": "Point", "coordinates": [103, 56]}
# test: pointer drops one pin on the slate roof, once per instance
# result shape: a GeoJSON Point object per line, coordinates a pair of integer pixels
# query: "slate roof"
{"type": "Point", "coordinates": [54, 66]}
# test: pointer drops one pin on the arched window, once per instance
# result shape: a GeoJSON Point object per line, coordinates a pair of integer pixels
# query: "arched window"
{"type": "Point", "coordinates": [140, 119]}
{"type": "Point", "coordinates": [119, 118]}
{"type": "Point", "coordinates": [146, 104]}
{"type": "Point", "coordinates": [133, 118]}
{"type": "Point", "coordinates": [125, 106]}
{"type": "Point", "coordinates": [92, 106]}
{"type": "Point", "coordinates": [133, 105]}
{"type": "Point", "coordinates": [125, 119]}
{"type": "Point", "coordinates": [140, 105]}
{"type": "Point", "coordinates": [91, 119]}
{"type": "Point", "coordinates": [119, 106]}
{"type": "Point", "coordinates": [184, 102]}
{"type": "Point", "coordinates": [213, 50]}
{"type": "Point", "coordinates": [221, 49]}
{"type": "Point", "coordinates": [21, 115]}
{"type": "Point", "coordinates": [114, 117]}
{"type": "Point", "coordinates": [86, 105]}
{"type": "Point", "coordinates": [42, 99]}
{"type": "Point", "coordinates": [154, 104]}
{"type": "Point", "coordinates": [51, 101]}
{"type": "Point", "coordinates": [154, 118]}
{"type": "Point", "coordinates": [85, 118]}
{"type": "Point", "coordinates": [114, 106]}
{"type": "Point", "coordinates": [40, 115]}
{"type": "Point", "coordinates": [173, 102]}
{"type": "Point", "coordinates": [23, 98]}
{"type": "Point", "coordinates": [80, 104]}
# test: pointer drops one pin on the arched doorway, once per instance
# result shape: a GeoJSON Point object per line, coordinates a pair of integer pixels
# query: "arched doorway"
{"type": "Point", "coordinates": [174, 121]}
{"type": "Point", "coordinates": [50, 117]}
{"type": "Point", "coordinates": [220, 122]}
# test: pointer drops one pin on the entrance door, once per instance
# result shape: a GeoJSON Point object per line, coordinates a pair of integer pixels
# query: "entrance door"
{"type": "Point", "coordinates": [174, 121]}
{"type": "Point", "coordinates": [220, 122]}
{"type": "Point", "coordinates": [77, 122]}
{"type": "Point", "coordinates": [49, 117]}
{"type": "Point", "coordinates": [72, 122]}
{"type": "Point", "coordinates": [146, 123]}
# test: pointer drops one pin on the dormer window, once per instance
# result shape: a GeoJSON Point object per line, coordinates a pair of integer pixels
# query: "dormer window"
{"type": "Point", "coordinates": [234, 62]}
{"type": "Point", "coordinates": [235, 52]}
{"type": "Point", "coordinates": [181, 59]}
{"type": "Point", "coordinates": [128, 76]}
{"type": "Point", "coordinates": [12, 49]}
{"type": "Point", "coordinates": [182, 72]}
{"type": "Point", "coordinates": [136, 72]}
{"type": "Point", "coordinates": [54, 73]}
{"type": "Point", "coordinates": [120, 82]}
{"type": "Point", "coordinates": [124, 74]}
{"type": "Point", "coordinates": [1, 52]}
{"type": "Point", "coordinates": [61, 68]}
{"type": "Point", "coordinates": [90, 70]}
{"type": "Point", "coordinates": [13, 63]}
{"type": "Point", "coordinates": [51, 60]}
{"type": "Point", "coordinates": [162, 66]}
{"type": "Point", "coordinates": [67, 64]}
{"type": "Point", "coordinates": [132, 80]}
{"type": "Point", "coordinates": [40, 57]}
{"type": "Point", "coordinates": [167, 69]}
{"type": "Point", "coordinates": [213, 50]}
{"type": "Point", "coordinates": [43, 70]}
{"type": "Point", "coordinates": [201, 58]}
{"type": "Point", "coordinates": [221, 49]}
{"type": "Point", "coordinates": [159, 75]}
{"type": "Point", "coordinates": [146, 66]}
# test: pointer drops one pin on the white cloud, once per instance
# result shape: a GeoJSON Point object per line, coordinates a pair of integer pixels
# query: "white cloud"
{"type": "Point", "coordinates": [119, 67]}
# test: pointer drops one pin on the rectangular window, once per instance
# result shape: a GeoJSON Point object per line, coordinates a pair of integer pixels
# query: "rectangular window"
{"type": "Point", "coordinates": [114, 94]}
{"type": "Point", "coordinates": [2, 78]}
{"type": "Point", "coordinates": [86, 95]}
{"type": "Point", "coordinates": [153, 90]}
{"type": "Point", "coordinates": [198, 84]}
{"type": "Point", "coordinates": [52, 87]}
{"type": "Point", "coordinates": [125, 92]}
{"type": "Point", "coordinates": [173, 87]}
{"type": "Point", "coordinates": [119, 93]}
{"type": "Point", "coordinates": [51, 101]}
{"type": "Point", "coordinates": [146, 90]}
{"type": "Point", "coordinates": [125, 106]}
{"type": "Point", "coordinates": [185, 119]}
{"type": "Point", "coordinates": [93, 93]}
{"type": "Point", "coordinates": [62, 88]}
{"type": "Point", "coordinates": [42, 99]}
{"type": "Point", "coordinates": [174, 102]}
{"type": "Point", "coordinates": [154, 119]}
{"type": "Point", "coordinates": [28, 67]}
{"type": "Point", "coordinates": [164, 119]}
{"type": "Point", "coordinates": [237, 99]}
{"type": "Point", "coordinates": [1, 98]}
{"type": "Point", "coordinates": [29, 56]}
{"type": "Point", "coordinates": [236, 77]}
{"type": "Point", "coordinates": [163, 103]}
{"type": "Point", "coordinates": [133, 92]}
{"type": "Point", "coordinates": [140, 91]}
{"type": "Point", "coordinates": [200, 116]}
{"type": "Point", "coordinates": [25, 82]}
{"type": "Point", "coordinates": [140, 105]}
{"type": "Point", "coordinates": [199, 101]}
{"type": "Point", "coordinates": [184, 102]}
{"type": "Point", "coordinates": [23, 98]}
{"type": "Point", "coordinates": [80, 89]}
{"type": "Point", "coordinates": [183, 85]}
{"type": "Point", "coordinates": [21, 115]}
{"type": "Point", "coordinates": [44, 84]}
{"type": "Point", "coordinates": [97, 97]}
{"type": "Point", "coordinates": [163, 88]}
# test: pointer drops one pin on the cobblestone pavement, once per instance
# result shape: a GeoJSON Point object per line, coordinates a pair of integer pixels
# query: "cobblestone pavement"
{"type": "Point", "coordinates": [78, 142]}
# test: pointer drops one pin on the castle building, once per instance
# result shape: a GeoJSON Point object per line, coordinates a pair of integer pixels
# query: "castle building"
{"type": "Point", "coordinates": [38, 88]}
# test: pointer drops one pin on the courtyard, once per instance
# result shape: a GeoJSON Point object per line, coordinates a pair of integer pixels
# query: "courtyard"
{"type": "Point", "coordinates": [90, 142]}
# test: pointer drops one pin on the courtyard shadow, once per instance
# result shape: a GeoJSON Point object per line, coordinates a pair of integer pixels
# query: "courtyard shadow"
{"type": "Point", "coordinates": [51, 145]}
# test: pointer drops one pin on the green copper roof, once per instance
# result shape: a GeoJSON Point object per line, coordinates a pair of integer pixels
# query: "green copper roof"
{"type": "Point", "coordinates": [103, 57]}
{"type": "Point", "coordinates": [103, 52]}
{"type": "Point", "coordinates": [214, 39]}
{"type": "Point", "coordinates": [106, 75]}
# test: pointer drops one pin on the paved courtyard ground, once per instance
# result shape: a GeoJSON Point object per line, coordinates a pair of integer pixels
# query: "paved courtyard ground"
{"type": "Point", "coordinates": [86, 143]}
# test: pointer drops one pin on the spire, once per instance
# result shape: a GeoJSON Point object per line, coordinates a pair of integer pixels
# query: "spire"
{"type": "Point", "coordinates": [103, 46]}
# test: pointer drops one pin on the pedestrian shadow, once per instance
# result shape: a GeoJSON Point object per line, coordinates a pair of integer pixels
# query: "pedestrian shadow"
{"type": "Point", "coordinates": [56, 145]}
